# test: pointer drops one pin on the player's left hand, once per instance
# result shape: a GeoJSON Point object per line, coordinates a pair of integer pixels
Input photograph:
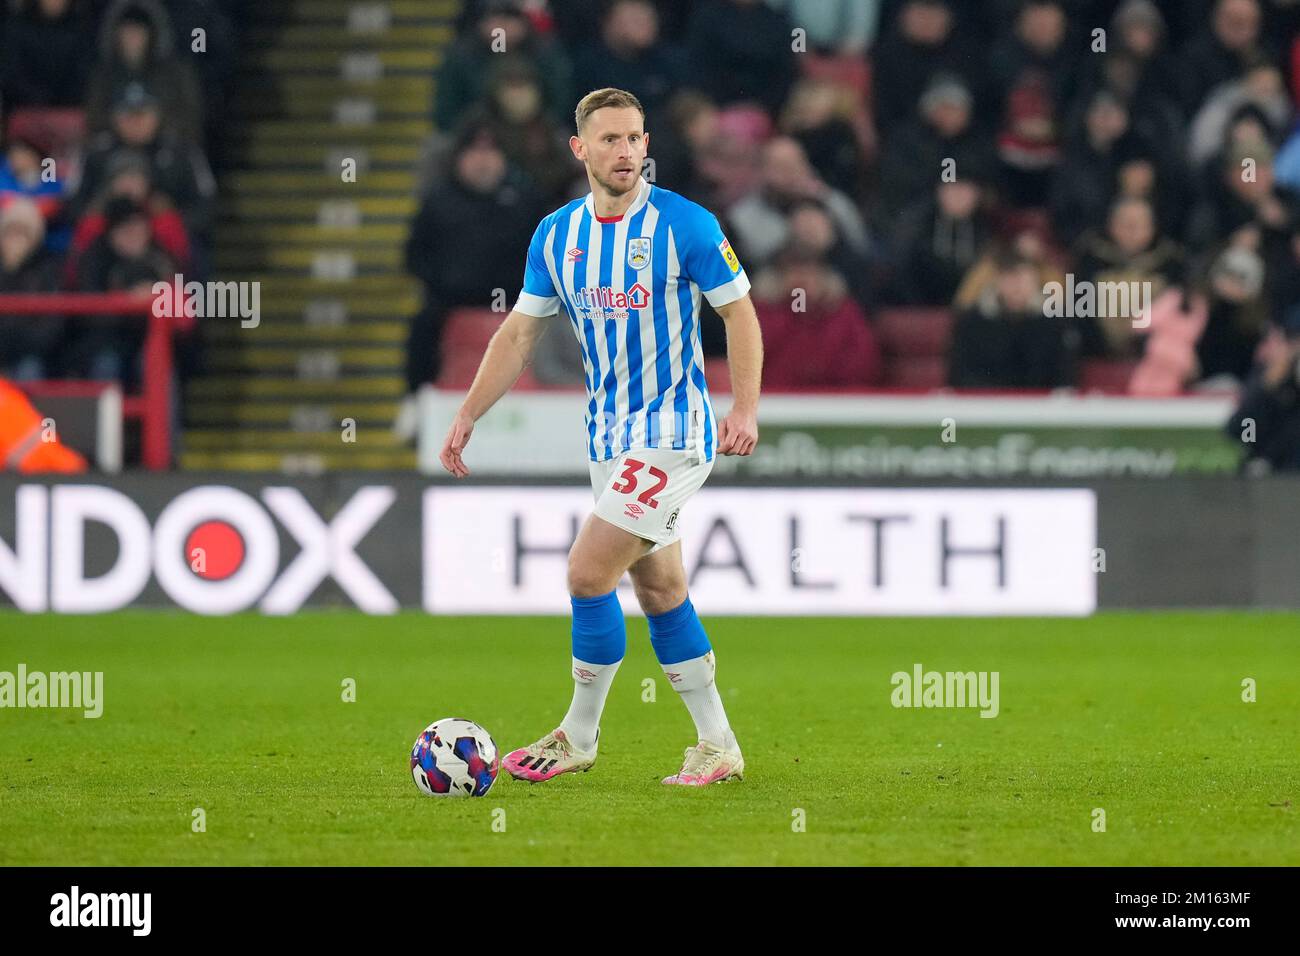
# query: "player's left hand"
{"type": "Point", "coordinates": [738, 433]}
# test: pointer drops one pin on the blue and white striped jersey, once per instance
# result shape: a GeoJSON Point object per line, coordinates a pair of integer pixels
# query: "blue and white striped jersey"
{"type": "Point", "coordinates": [632, 287]}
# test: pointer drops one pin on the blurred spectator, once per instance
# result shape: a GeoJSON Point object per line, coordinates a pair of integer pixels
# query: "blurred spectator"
{"type": "Point", "coordinates": [1237, 318]}
{"type": "Point", "coordinates": [834, 27]}
{"type": "Point", "coordinates": [135, 46]}
{"type": "Point", "coordinates": [760, 219]}
{"type": "Point", "coordinates": [129, 176]}
{"type": "Point", "coordinates": [215, 64]}
{"type": "Point", "coordinates": [682, 142]}
{"type": "Point", "coordinates": [1282, 265]}
{"type": "Point", "coordinates": [631, 55]}
{"type": "Point", "coordinates": [1033, 71]}
{"type": "Point", "coordinates": [1129, 250]}
{"type": "Point", "coordinates": [1269, 410]}
{"type": "Point", "coordinates": [43, 60]}
{"type": "Point", "coordinates": [464, 267]}
{"type": "Point", "coordinates": [1221, 51]}
{"type": "Point", "coordinates": [1004, 340]}
{"type": "Point", "coordinates": [740, 50]}
{"type": "Point", "coordinates": [1168, 363]}
{"type": "Point", "coordinates": [24, 173]}
{"type": "Point", "coordinates": [557, 358]}
{"type": "Point", "coordinates": [938, 241]}
{"type": "Point", "coordinates": [126, 258]}
{"type": "Point", "coordinates": [921, 43]}
{"type": "Point", "coordinates": [944, 128]}
{"type": "Point", "coordinates": [1138, 30]}
{"type": "Point", "coordinates": [533, 141]}
{"type": "Point", "coordinates": [1085, 182]}
{"type": "Point", "coordinates": [178, 170]}
{"type": "Point", "coordinates": [27, 342]}
{"type": "Point", "coordinates": [466, 68]}
{"type": "Point", "coordinates": [1259, 94]}
{"type": "Point", "coordinates": [813, 233]}
{"type": "Point", "coordinates": [818, 116]}
{"type": "Point", "coordinates": [815, 335]}
{"type": "Point", "coordinates": [1244, 196]}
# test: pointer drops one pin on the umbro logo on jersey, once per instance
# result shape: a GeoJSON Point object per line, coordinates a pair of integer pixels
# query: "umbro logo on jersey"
{"type": "Point", "coordinates": [574, 255]}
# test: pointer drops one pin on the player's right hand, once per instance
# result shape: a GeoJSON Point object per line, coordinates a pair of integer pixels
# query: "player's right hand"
{"type": "Point", "coordinates": [457, 438]}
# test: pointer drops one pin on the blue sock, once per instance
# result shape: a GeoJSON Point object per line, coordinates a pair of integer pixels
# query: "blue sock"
{"type": "Point", "coordinates": [599, 641]}
{"type": "Point", "coordinates": [599, 635]}
{"type": "Point", "coordinates": [678, 635]}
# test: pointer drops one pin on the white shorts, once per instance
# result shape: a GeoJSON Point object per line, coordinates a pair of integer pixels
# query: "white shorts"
{"type": "Point", "coordinates": [643, 490]}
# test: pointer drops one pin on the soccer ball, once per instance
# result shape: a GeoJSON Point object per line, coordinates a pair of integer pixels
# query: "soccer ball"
{"type": "Point", "coordinates": [454, 757]}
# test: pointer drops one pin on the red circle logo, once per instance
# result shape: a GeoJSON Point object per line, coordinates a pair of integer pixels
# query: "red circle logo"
{"type": "Point", "coordinates": [214, 550]}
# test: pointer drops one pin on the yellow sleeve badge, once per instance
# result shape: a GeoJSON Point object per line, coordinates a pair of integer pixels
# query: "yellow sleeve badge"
{"type": "Point", "coordinates": [729, 256]}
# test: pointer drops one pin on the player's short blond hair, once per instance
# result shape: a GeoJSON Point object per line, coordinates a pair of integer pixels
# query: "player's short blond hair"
{"type": "Point", "coordinates": [599, 99]}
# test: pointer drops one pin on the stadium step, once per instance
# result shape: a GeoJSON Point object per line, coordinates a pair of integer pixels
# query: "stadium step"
{"type": "Point", "coordinates": [293, 414]}
{"type": "Point", "coordinates": [272, 388]}
{"type": "Point", "coordinates": [322, 82]}
{"type": "Point", "coordinates": [335, 437]}
{"type": "Point", "coordinates": [339, 13]}
{"type": "Point", "coordinates": [289, 332]}
{"type": "Point", "coordinates": [240, 208]}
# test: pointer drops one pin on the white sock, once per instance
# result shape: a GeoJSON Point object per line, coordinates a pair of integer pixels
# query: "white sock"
{"type": "Point", "coordinates": [693, 680]}
{"type": "Point", "coordinates": [591, 683]}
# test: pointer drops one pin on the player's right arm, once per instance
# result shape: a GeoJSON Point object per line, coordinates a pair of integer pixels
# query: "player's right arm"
{"type": "Point", "coordinates": [509, 351]}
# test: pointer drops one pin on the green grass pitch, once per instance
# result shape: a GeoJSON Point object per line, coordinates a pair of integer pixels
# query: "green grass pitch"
{"type": "Point", "coordinates": [1140, 715]}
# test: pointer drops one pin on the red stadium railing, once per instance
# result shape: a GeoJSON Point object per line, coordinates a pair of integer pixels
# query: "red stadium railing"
{"type": "Point", "coordinates": [153, 405]}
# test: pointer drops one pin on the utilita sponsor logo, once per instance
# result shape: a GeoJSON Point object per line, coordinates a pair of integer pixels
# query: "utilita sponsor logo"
{"type": "Point", "coordinates": [103, 909]}
{"type": "Point", "coordinates": [604, 297]}
{"type": "Point", "coordinates": [213, 550]}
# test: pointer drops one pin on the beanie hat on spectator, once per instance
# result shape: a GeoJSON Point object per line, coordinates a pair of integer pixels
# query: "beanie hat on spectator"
{"type": "Point", "coordinates": [946, 88]}
{"type": "Point", "coordinates": [1139, 11]}
{"type": "Point", "coordinates": [134, 96]}
{"type": "Point", "coordinates": [22, 212]}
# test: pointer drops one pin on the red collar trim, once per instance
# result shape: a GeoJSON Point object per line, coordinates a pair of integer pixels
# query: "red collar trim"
{"type": "Point", "coordinates": [609, 218]}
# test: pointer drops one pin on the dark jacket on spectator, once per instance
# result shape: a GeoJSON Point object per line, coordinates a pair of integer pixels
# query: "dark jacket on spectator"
{"type": "Point", "coordinates": [178, 170]}
{"type": "Point", "coordinates": [740, 52]}
{"type": "Point", "coordinates": [1276, 414]}
{"type": "Point", "coordinates": [465, 265]}
{"type": "Point", "coordinates": [37, 335]}
{"type": "Point", "coordinates": [45, 62]}
{"type": "Point", "coordinates": [165, 74]}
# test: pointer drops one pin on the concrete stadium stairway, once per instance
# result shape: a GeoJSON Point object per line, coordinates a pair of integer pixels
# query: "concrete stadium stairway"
{"type": "Point", "coordinates": [321, 81]}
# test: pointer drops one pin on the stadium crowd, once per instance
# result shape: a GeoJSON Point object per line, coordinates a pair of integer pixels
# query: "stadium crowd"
{"type": "Point", "coordinates": [926, 153]}
{"type": "Point", "coordinates": [111, 124]}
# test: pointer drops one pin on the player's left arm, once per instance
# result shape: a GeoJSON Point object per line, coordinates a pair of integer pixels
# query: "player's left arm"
{"type": "Point", "coordinates": [738, 432]}
{"type": "Point", "coordinates": [712, 263]}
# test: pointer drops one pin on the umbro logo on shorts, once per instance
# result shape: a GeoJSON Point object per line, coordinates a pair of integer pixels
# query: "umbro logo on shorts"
{"type": "Point", "coordinates": [634, 510]}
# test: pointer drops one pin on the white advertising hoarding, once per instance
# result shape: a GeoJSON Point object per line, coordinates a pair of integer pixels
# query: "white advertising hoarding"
{"type": "Point", "coordinates": [784, 551]}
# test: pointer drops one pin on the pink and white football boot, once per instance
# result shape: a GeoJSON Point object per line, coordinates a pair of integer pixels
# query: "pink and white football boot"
{"type": "Point", "coordinates": [549, 757]}
{"type": "Point", "coordinates": [707, 763]}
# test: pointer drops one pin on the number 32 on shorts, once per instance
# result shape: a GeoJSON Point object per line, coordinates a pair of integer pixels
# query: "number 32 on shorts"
{"type": "Point", "coordinates": [629, 482]}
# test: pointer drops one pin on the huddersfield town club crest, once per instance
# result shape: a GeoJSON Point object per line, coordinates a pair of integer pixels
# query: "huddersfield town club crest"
{"type": "Point", "coordinates": [638, 253]}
